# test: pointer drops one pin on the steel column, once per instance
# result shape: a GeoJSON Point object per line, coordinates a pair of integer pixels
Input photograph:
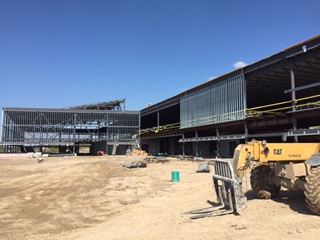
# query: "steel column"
{"type": "Point", "coordinates": [293, 99]}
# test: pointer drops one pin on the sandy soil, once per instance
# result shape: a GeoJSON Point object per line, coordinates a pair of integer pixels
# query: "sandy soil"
{"type": "Point", "coordinates": [84, 198]}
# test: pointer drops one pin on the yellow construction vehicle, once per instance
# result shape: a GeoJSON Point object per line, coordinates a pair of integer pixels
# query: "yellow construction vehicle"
{"type": "Point", "coordinates": [294, 166]}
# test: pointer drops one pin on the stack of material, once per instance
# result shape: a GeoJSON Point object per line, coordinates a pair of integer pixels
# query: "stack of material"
{"type": "Point", "coordinates": [139, 164]}
{"type": "Point", "coordinates": [137, 152]}
{"type": "Point", "coordinates": [203, 168]}
{"type": "Point", "coordinates": [158, 159]}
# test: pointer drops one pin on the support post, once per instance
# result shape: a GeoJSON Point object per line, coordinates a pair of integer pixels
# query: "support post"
{"type": "Point", "coordinates": [74, 132]}
{"type": "Point", "coordinates": [245, 131]}
{"type": "Point", "coordinates": [158, 119]}
{"type": "Point", "coordinates": [218, 148]}
{"type": "Point", "coordinates": [183, 145]}
{"type": "Point", "coordinates": [197, 154]}
{"type": "Point", "coordinates": [293, 101]}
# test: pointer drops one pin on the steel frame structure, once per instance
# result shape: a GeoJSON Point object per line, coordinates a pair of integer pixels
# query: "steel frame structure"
{"type": "Point", "coordinates": [71, 126]}
{"type": "Point", "coordinates": [274, 98]}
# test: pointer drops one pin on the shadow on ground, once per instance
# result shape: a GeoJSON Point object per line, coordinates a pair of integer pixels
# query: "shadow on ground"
{"type": "Point", "coordinates": [295, 200]}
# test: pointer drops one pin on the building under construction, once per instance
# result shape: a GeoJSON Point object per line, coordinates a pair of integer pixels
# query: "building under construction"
{"type": "Point", "coordinates": [101, 127]}
{"type": "Point", "coordinates": [277, 99]}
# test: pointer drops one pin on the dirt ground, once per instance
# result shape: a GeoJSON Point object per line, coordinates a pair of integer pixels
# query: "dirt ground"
{"type": "Point", "coordinates": [85, 198]}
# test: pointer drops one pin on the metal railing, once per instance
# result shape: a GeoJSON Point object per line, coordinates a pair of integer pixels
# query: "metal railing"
{"type": "Point", "coordinates": [260, 111]}
{"type": "Point", "coordinates": [284, 107]}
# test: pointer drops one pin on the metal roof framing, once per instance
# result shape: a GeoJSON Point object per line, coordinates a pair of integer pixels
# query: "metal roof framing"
{"type": "Point", "coordinates": [272, 80]}
{"type": "Point", "coordinates": [110, 105]}
{"type": "Point", "coordinates": [30, 127]}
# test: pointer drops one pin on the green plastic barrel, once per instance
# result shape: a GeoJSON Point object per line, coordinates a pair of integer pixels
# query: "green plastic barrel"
{"type": "Point", "coordinates": [175, 176]}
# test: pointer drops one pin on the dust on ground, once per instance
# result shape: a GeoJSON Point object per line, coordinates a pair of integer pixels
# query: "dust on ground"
{"type": "Point", "coordinates": [97, 198]}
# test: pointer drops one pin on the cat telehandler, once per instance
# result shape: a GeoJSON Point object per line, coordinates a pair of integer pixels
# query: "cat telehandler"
{"type": "Point", "coordinates": [294, 166]}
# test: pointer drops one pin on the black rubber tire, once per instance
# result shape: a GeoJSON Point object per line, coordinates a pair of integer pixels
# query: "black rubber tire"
{"type": "Point", "coordinates": [259, 182]}
{"type": "Point", "coordinates": [312, 192]}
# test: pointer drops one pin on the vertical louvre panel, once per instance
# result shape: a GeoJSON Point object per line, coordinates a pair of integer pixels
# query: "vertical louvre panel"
{"type": "Point", "coordinates": [222, 102]}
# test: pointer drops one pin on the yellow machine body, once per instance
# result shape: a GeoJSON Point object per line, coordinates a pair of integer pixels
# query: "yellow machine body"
{"type": "Point", "coordinates": [263, 152]}
{"type": "Point", "coordinates": [294, 166]}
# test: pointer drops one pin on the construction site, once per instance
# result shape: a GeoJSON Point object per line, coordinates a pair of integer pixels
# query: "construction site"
{"type": "Point", "coordinates": [99, 171]}
{"type": "Point", "coordinates": [276, 99]}
{"type": "Point", "coordinates": [100, 127]}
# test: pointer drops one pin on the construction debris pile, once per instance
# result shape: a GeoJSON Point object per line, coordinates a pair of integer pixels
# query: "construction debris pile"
{"type": "Point", "coordinates": [137, 152]}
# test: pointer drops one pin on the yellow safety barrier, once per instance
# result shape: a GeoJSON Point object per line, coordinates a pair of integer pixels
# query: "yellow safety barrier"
{"type": "Point", "coordinates": [267, 109]}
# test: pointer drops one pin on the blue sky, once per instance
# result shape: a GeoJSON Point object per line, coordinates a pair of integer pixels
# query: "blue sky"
{"type": "Point", "coordinates": [59, 53]}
